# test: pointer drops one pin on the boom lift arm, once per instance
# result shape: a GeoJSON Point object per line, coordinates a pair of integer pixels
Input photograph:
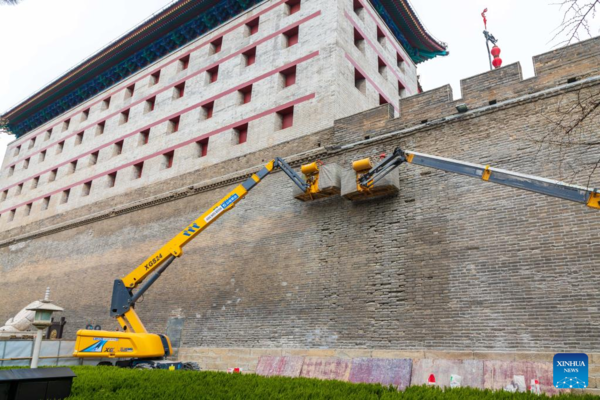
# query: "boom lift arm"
{"type": "Point", "coordinates": [548, 187]}
{"type": "Point", "coordinates": [135, 341]}
{"type": "Point", "coordinates": [123, 300]}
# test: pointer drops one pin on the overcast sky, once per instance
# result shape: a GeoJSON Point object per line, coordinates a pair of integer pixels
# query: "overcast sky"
{"type": "Point", "coordinates": [41, 39]}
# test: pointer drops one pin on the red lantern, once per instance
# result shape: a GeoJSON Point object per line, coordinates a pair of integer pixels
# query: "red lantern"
{"type": "Point", "coordinates": [497, 61]}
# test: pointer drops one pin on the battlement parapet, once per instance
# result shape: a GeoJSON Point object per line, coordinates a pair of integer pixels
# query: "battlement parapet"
{"type": "Point", "coordinates": [555, 68]}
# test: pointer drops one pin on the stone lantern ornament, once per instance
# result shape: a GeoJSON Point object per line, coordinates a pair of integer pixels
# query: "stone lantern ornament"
{"type": "Point", "coordinates": [43, 318]}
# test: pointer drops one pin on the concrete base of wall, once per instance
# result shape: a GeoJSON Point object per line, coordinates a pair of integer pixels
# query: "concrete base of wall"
{"type": "Point", "coordinates": [481, 369]}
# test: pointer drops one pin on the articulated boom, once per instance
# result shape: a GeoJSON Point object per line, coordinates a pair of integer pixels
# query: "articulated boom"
{"type": "Point", "coordinates": [135, 341]}
{"type": "Point", "coordinates": [548, 187]}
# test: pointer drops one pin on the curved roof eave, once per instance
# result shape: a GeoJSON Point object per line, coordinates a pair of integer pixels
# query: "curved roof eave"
{"type": "Point", "coordinates": [165, 32]}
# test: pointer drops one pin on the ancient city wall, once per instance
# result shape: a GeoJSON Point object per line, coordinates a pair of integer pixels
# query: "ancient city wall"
{"type": "Point", "coordinates": [451, 265]}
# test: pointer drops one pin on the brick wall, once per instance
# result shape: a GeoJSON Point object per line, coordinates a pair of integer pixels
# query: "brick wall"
{"type": "Point", "coordinates": [450, 264]}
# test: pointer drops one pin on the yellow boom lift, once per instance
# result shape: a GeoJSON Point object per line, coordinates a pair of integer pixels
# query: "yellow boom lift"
{"type": "Point", "coordinates": [135, 347]}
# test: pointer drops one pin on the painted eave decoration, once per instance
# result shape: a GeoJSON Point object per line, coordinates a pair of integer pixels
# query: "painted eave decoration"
{"type": "Point", "coordinates": [165, 32]}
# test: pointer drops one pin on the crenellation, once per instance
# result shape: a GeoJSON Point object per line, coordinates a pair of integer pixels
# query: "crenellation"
{"type": "Point", "coordinates": [362, 126]}
{"type": "Point", "coordinates": [428, 105]}
{"type": "Point", "coordinates": [559, 67]}
{"type": "Point", "coordinates": [497, 85]}
{"type": "Point", "coordinates": [577, 61]}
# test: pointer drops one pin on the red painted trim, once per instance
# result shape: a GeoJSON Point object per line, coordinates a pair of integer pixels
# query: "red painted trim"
{"type": "Point", "coordinates": [213, 65]}
{"type": "Point", "coordinates": [234, 27]}
{"type": "Point", "coordinates": [147, 127]}
{"type": "Point", "coordinates": [355, 64]}
{"type": "Point", "coordinates": [392, 40]}
{"type": "Point", "coordinates": [200, 71]}
{"type": "Point", "coordinates": [392, 67]}
{"type": "Point", "coordinates": [169, 149]}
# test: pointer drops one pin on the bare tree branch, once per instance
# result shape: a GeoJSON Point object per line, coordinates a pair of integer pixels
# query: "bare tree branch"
{"type": "Point", "coordinates": [576, 22]}
{"type": "Point", "coordinates": [573, 130]}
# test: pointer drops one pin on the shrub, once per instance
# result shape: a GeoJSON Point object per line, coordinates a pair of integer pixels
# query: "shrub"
{"type": "Point", "coordinates": [98, 383]}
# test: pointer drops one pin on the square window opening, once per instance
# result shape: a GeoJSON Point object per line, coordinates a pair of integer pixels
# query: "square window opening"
{"type": "Point", "coordinates": [60, 147]}
{"type": "Point", "coordinates": [213, 74]}
{"type": "Point", "coordinates": [173, 125]}
{"type": "Point", "coordinates": [52, 176]}
{"type": "Point", "coordinates": [78, 138]}
{"type": "Point", "coordinates": [94, 158]}
{"type": "Point", "coordinates": [129, 91]}
{"type": "Point", "coordinates": [202, 146]}
{"type": "Point", "coordinates": [358, 8]}
{"type": "Point", "coordinates": [245, 94]}
{"type": "Point", "coordinates": [28, 209]}
{"type": "Point", "coordinates": [45, 203]}
{"type": "Point", "coordinates": [359, 40]}
{"type": "Point", "coordinates": [381, 37]}
{"type": "Point", "coordinates": [288, 76]}
{"type": "Point", "coordinates": [87, 188]}
{"type": "Point", "coordinates": [65, 196]}
{"type": "Point", "coordinates": [400, 61]}
{"type": "Point", "coordinates": [359, 81]}
{"type": "Point", "coordinates": [252, 26]}
{"type": "Point", "coordinates": [35, 182]}
{"type": "Point", "coordinates": [118, 148]}
{"type": "Point", "coordinates": [112, 178]}
{"type": "Point", "coordinates": [184, 63]}
{"type": "Point", "coordinates": [216, 46]}
{"type": "Point", "coordinates": [401, 89]}
{"type": "Point", "coordinates": [292, 6]}
{"type": "Point", "coordinates": [48, 134]}
{"type": "Point", "coordinates": [43, 156]}
{"type": "Point", "coordinates": [249, 57]}
{"type": "Point", "coordinates": [106, 104]}
{"type": "Point", "coordinates": [150, 104]}
{"type": "Point", "coordinates": [100, 128]}
{"type": "Point", "coordinates": [179, 91]}
{"type": "Point", "coordinates": [85, 115]}
{"type": "Point", "coordinates": [291, 37]}
{"type": "Point", "coordinates": [155, 78]}
{"type": "Point", "coordinates": [124, 117]}
{"type": "Point", "coordinates": [207, 110]}
{"type": "Point", "coordinates": [241, 134]}
{"type": "Point", "coordinates": [66, 125]}
{"type": "Point", "coordinates": [168, 159]}
{"type": "Point", "coordinates": [382, 67]}
{"type": "Point", "coordinates": [138, 170]}
{"type": "Point", "coordinates": [286, 118]}
{"type": "Point", "coordinates": [144, 137]}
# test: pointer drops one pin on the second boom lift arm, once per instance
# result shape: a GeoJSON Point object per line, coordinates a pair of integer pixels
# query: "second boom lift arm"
{"type": "Point", "coordinates": [548, 187]}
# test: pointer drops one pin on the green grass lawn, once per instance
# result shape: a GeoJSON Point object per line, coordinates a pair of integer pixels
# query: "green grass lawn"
{"type": "Point", "coordinates": [115, 383]}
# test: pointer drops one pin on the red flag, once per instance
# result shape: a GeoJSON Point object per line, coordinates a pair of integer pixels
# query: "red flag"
{"type": "Point", "coordinates": [484, 18]}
